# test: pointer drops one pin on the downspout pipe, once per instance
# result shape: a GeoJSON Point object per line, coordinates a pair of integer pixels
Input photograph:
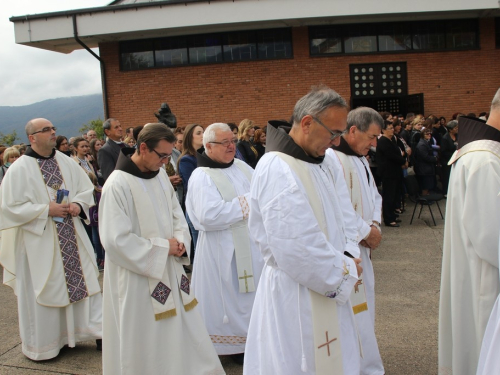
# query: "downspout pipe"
{"type": "Point", "coordinates": [103, 68]}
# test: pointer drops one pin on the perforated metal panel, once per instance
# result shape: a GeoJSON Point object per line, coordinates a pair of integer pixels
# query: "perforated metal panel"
{"type": "Point", "coordinates": [379, 80]}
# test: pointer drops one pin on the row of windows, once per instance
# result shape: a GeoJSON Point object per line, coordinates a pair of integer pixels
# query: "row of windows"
{"type": "Point", "coordinates": [323, 40]}
{"type": "Point", "coordinates": [207, 48]}
{"type": "Point", "coordinates": [394, 37]}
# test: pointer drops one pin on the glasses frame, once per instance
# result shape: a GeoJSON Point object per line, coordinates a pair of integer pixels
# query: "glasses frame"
{"type": "Point", "coordinates": [45, 130]}
{"type": "Point", "coordinates": [232, 142]}
{"type": "Point", "coordinates": [335, 135]}
{"type": "Point", "coordinates": [163, 158]}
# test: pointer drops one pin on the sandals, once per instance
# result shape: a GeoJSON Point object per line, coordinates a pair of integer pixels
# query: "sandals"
{"type": "Point", "coordinates": [393, 225]}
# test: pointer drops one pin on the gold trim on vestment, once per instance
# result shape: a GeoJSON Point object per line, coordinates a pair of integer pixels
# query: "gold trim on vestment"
{"type": "Point", "coordinates": [166, 314]}
{"type": "Point", "coordinates": [360, 308]}
{"type": "Point", "coordinates": [191, 305]}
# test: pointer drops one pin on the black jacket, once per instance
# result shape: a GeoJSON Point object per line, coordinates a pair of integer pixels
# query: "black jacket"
{"type": "Point", "coordinates": [389, 159]}
{"type": "Point", "coordinates": [247, 150]}
{"type": "Point", "coordinates": [448, 147]}
{"type": "Point", "coordinates": [425, 161]}
{"type": "Point", "coordinates": [107, 158]}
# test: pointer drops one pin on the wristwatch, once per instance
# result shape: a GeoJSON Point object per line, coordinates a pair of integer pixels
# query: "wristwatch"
{"type": "Point", "coordinates": [376, 224]}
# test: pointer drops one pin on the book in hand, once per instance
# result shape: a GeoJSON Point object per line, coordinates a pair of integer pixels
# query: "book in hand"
{"type": "Point", "coordinates": [62, 197]}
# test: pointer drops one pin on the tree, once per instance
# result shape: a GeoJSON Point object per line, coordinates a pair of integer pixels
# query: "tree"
{"type": "Point", "coordinates": [93, 125]}
{"type": "Point", "coordinates": [8, 139]}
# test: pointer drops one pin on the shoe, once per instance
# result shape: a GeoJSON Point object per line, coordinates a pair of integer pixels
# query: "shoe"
{"type": "Point", "coordinates": [100, 265]}
{"type": "Point", "coordinates": [99, 345]}
{"type": "Point", "coordinates": [238, 358]}
{"type": "Point", "coordinates": [398, 220]}
{"type": "Point", "coordinates": [393, 225]}
{"type": "Point", "coordinates": [399, 211]}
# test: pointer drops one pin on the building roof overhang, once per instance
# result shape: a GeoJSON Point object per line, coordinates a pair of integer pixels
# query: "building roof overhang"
{"type": "Point", "coordinates": [122, 20]}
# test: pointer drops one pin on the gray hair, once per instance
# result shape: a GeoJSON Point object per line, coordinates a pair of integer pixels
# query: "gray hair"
{"type": "Point", "coordinates": [452, 124]}
{"type": "Point", "coordinates": [495, 104]}
{"type": "Point", "coordinates": [363, 117]}
{"type": "Point", "coordinates": [106, 125]}
{"type": "Point", "coordinates": [315, 102]}
{"type": "Point", "coordinates": [209, 134]}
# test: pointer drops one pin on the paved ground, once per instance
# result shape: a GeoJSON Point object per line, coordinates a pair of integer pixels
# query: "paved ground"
{"type": "Point", "coordinates": [407, 269]}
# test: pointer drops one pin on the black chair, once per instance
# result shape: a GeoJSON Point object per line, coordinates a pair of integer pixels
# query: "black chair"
{"type": "Point", "coordinates": [413, 190]}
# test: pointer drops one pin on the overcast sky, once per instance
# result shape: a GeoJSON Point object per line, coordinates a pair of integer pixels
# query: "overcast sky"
{"type": "Point", "coordinates": [29, 75]}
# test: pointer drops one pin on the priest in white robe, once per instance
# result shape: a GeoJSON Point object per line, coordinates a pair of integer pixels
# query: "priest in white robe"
{"type": "Point", "coordinates": [302, 321]}
{"type": "Point", "coordinates": [228, 263]}
{"type": "Point", "coordinates": [150, 321]}
{"type": "Point", "coordinates": [363, 128]}
{"type": "Point", "coordinates": [50, 264]}
{"type": "Point", "coordinates": [470, 278]}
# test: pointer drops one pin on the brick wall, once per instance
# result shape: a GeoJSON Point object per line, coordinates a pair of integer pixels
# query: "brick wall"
{"type": "Point", "coordinates": [462, 81]}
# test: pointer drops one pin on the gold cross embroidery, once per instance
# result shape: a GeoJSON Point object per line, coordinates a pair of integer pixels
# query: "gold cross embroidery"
{"type": "Point", "coordinates": [356, 286]}
{"type": "Point", "coordinates": [245, 278]}
{"type": "Point", "coordinates": [327, 343]}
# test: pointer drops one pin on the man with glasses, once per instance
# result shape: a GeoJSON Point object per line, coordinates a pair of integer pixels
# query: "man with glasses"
{"type": "Point", "coordinates": [47, 256]}
{"type": "Point", "coordinates": [302, 320]}
{"type": "Point", "coordinates": [149, 307]}
{"type": "Point", "coordinates": [228, 264]}
{"type": "Point", "coordinates": [363, 128]}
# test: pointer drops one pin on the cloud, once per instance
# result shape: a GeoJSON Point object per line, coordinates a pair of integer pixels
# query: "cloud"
{"type": "Point", "coordinates": [30, 75]}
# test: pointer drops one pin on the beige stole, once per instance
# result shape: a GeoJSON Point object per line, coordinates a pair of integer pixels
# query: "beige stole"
{"type": "Point", "coordinates": [241, 239]}
{"type": "Point", "coordinates": [358, 294]}
{"type": "Point", "coordinates": [160, 290]}
{"type": "Point", "coordinates": [326, 330]}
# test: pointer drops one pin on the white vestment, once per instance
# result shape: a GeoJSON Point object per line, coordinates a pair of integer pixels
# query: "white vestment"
{"type": "Point", "coordinates": [33, 264]}
{"type": "Point", "coordinates": [469, 279]}
{"type": "Point", "coordinates": [369, 210]}
{"type": "Point", "coordinates": [215, 278]}
{"type": "Point", "coordinates": [134, 342]}
{"type": "Point", "coordinates": [298, 257]}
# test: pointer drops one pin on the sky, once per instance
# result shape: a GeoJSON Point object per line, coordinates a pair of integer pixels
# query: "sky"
{"type": "Point", "coordinates": [29, 75]}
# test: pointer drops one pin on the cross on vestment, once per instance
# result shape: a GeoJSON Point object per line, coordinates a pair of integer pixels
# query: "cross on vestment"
{"type": "Point", "coordinates": [327, 343]}
{"type": "Point", "coordinates": [245, 278]}
{"type": "Point", "coordinates": [356, 286]}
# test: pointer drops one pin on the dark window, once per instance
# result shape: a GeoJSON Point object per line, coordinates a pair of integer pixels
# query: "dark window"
{"type": "Point", "coordinates": [137, 55]}
{"type": "Point", "coordinates": [240, 46]}
{"type": "Point", "coordinates": [206, 49]}
{"type": "Point", "coordinates": [171, 51]}
{"type": "Point", "coordinates": [360, 39]}
{"type": "Point", "coordinates": [497, 32]}
{"type": "Point", "coordinates": [429, 35]}
{"type": "Point", "coordinates": [275, 44]}
{"type": "Point", "coordinates": [325, 40]}
{"type": "Point", "coordinates": [396, 36]}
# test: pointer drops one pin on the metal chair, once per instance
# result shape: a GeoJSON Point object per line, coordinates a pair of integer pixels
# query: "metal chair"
{"type": "Point", "coordinates": [413, 189]}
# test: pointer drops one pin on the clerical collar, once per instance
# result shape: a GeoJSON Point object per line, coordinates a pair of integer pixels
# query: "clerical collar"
{"type": "Point", "coordinates": [33, 154]}
{"type": "Point", "coordinates": [345, 148]}
{"type": "Point", "coordinates": [279, 140]}
{"type": "Point", "coordinates": [204, 161]}
{"type": "Point", "coordinates": [126, 164]}
{"type": "Point", "coordinates": [472, 129]}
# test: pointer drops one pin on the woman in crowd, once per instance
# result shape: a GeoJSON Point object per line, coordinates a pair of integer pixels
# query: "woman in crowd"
{"type": "Point", "coordinates": [245, 146]}
{"type": "Point", "coordinates": [259, 139]}
{"type": "Point", "coordinates": [62, 145]}
{"type": "Point", "coordinates": [192, 142]}
{"type": "Point", "coordinates": [130, 142]}
{"type": "Point", "coordinates": [179, 136]}
{"type": "Point", "coordinates": [10, 155]}
{"type": "Point", "coordinates": [2, 150]}
{"type": "Point", "coordinates": [234, 129]}
{"type": "Point", "coordinates": [94, 222]}
{"type": "Point", "coordinates": [95, 146]}
{"type": "Point", "coordinates": [390, 162]}
{"type": "Point", "coordinates": [425, 162]}
{"type": "Point", "coordinates": [449, 144]}
{"type": "Point", "coordinates": [406, 151]}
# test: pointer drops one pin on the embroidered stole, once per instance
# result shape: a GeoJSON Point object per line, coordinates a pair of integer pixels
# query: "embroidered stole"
{"type": "Point", "coordinates": [481, 145]}
{"type": "Point", "coordinates": [70, 255]}
{"type": "Point", "coordinates": [241, 240]}
{"type": "Point", "coordinates": [358, 294]}
{"type": "Point", "coordinates": [160, 290]}
{"type": "Point", "coordinates": [326, 330]}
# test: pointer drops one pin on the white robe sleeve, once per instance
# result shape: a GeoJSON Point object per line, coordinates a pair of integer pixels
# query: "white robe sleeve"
{"type": "Point", "coordinates": [294, 237]}
{"type": "Point", "coordinates": [205, 206]}
{"type": "Point", "coordinates": [144, 256]}
{"type": "Point", "coordinates": [483, 181]}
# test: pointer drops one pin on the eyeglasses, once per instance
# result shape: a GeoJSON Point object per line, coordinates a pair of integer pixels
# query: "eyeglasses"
{"type": "Point", "coordinates": [226, 142]}
{"type": "Point", "coordinates": [162, 157]}
{"type": "Point", "coordinates": [45, 130]}
{"type": "Point", "coordinates": [335, 135]}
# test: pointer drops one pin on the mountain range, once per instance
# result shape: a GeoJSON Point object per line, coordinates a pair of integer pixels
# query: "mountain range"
{"type": "Point", "coordinates": [67, 114]}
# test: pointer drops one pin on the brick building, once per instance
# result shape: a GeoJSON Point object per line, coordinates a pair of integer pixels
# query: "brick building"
{"type": "Point", "coordinates": [228, 60]}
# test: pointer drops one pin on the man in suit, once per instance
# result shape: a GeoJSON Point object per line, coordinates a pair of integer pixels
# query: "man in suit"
{"type": "Point", "coordinates": [108, 154]}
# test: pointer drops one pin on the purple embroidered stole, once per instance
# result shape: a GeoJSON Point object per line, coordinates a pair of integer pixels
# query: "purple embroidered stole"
{"type": "Point", "coordinates": [75, 282]}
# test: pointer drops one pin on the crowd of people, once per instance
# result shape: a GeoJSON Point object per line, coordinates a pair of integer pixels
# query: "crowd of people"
{"type": "Point", "coordinates": [276, 224]}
